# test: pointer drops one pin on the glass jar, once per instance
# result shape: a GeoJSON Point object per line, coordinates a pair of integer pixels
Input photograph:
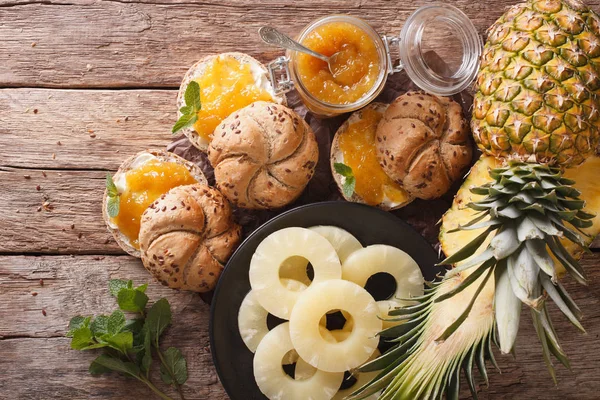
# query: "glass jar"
{"type": "Point", "coordinates": [441, 28]}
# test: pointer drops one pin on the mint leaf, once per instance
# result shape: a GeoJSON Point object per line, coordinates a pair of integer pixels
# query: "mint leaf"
{"type": "Point", "coordinates": [97, 369]}
{"type": "Point", "coordinates": [115, 286]}
{"type": "Point", "coordinates": [343, 169]}
{"type": "Point", "coordinates": [116, 322]}
{"type": "Point", "coordinates": [192, 96]}
{"type": "Point", "coordinates": [184, 121]}
{"type": "Point", "coordinates": [99, 326]}
{"type": "Point", "coordinates": [147, 357]}
{"type": "Point", "coordinates": [175, 367]}
{"type": "Point", "coordinates": [111, 188]}
{"type": "Point", "coordinates": [112, 363]}
{"type": "Point", "coordinates": [189, 112]}
{"type": "Point", "coordinates": [122, 342]}
{"type": "Point", "coordinates": [82, 338]}
{"type": "Point", "coordinates": [348, 186]}
{"type": "Point", "coordinates": [76, 323]}
{"type": "Point", "coordinates": [132, 300]}
{"type": "Point", "coordinates": [112, 206]}
{"type": "Point", "coordinates": [157, 319]}
{"type": "Point", "coordinates": [142, 288]}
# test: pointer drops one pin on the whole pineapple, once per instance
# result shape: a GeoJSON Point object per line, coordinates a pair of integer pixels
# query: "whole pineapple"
{"type": "Point", "coordinates": [538, 85]}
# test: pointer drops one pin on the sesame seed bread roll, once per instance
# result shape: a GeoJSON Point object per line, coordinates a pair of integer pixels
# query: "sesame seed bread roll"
{"type": "Point", "coordinates": [186, 237]}
{"type": "Point", "coordinates": [423, 143]}
{"type": "Point", "coordinates": [264, 155]}
{"type": "Point", "coordinates": [132, 163]}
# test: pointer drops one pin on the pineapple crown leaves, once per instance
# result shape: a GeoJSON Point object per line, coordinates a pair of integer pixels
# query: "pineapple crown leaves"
{"type": "Point", "coordinates": [397, 365]}
{"type": "Point", "coordinates": [525, 211]}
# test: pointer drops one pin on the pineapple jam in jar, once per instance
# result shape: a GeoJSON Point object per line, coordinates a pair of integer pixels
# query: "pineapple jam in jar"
{"type": "Point", "coordinates": [142, 186]}
{"type": "Point", "coordinates": [355, 69]}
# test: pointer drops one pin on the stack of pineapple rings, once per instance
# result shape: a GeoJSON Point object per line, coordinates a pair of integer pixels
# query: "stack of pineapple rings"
{"type": "Point", "coordinates": [281, 287]}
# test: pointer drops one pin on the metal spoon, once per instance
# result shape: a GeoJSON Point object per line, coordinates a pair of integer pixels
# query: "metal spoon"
{"type": "Point", "coordinates": [273, 36]}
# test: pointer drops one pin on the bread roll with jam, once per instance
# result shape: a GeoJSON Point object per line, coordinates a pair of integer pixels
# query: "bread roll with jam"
{"type": "Point", "coordinates": [186, 237]}
{"type": "Point", "coordinates": [354, 146]}
{"type": "Point", "coordinates": [140, 180]}
{"type": "Point", "coordinates": [264, 155]}
{"type": "Point", "coordinates": [424, 143]}
{"type": "Point", "coordinates": [244, 80]}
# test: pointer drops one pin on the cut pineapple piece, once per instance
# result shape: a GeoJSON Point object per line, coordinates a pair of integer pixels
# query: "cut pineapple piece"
{"type": "Point", "coordinates": [274, 383]}
{"type": "Point", "coordinates": [364, 263]}
{"type": "Point", "coordinates": [584, 175]}
{"type": "Point", "coordinates": [280, 246]}
{"type": "Point", "coordinates": [252, 317]}
{"type": "Point", "coordinates": [315, 302]}
{"type": "Point", "coordinates": [305, 370]}
{"type": "Point", "coordinates": [342, 241]}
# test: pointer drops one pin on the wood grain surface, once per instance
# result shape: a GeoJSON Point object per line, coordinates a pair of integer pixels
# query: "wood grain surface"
{"type": "Point", "coordinates": [86, 83]}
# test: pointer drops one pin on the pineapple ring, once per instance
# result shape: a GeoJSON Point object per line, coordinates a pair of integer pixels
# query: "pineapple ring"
{"type": "Point", "coordinates": [366, 262]}
{"type": "Point", "coordinates": [274, 383]}
{"type": "Point", "coordinates": [319, 299]}
{"type": "Point", "coordinates": [304, 370]}
{"type": "Point", "coordinates": [252, 318]}
{"type": "Point", "coordinates": [280, 246]}
{"type": "Point", "coordinates": [342, 241]}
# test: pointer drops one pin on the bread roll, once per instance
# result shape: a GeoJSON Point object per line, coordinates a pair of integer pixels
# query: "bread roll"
{"type": "Point", "coordinates": [424, 143]}
{"type": "Point", "coordinates": [131, 163]}
{"type": "Point", "coordinates": [198, 69]}
{"type": "Point", "coordinates": [186, 236]}
{"type": "Point", "coordinates": [337, 156]}
{"type": "Point", "coordinates": [263, 156]}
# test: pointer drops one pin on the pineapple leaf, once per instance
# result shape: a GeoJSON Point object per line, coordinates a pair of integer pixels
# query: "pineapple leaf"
{"type": "Point", "coordinates": [505, 242]}
{"type": "Point", "coordinates": [467, 281]}
{"type": "Point", "coordinates": [507, 308]}
{"type": "Point", "coordinates": [544, 342]}
{"type": "Point", "coordinates": [566, 260]}
{"type": "Point", "coordinates": [523, 276]}
{"type": "Point", "coordinates": [456, 324]}
{"type": "Point", "coordinates": [469, 249]}
{"type": "Point", "coordinates": [469, 373]}
{"type": "Point", "coordinates": [480, 360]}
{"type": "Point", "coordinates": [556, 297]}
{"type": "Point", "coordinates": [537, 249]}
{"type": "Point", "coordinates": [528, 230]}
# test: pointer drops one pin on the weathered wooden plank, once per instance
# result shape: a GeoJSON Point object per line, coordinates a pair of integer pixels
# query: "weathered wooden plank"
{"type": "Point", "coordinates": [81, 43]}
{"type": "Point", "coordinates": [79, 286]}
{"type": "Point", "coordinates": [47, 367]}
{"type": "Point", "coordinates": [82, 129]}
{"type": "Point", "coordinates": [71, 221]}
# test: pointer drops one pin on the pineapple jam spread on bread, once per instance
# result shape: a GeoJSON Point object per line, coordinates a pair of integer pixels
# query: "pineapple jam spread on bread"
{"type": "Point", "coordinates": [187, 235]}
{"type": "Point", "coordinates": [354, 146]}
{"type": "Point", "coordinates": [423, 143]}
{"type": "Point", "coordinates": [263, 156]}
{"type": "Point", "coordinates": [228, 82]}
{"type": "Point", "coordinates": [140, 180]}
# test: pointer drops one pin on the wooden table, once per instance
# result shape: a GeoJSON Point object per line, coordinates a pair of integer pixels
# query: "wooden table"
{"type": "Point", "coordinates": [86, 83]}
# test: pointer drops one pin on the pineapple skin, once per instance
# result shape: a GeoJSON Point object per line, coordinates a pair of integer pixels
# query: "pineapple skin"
{"type": "Point", "coordinates": [585, 175]}
{"type": "Point", "coordinates": [538, 84]}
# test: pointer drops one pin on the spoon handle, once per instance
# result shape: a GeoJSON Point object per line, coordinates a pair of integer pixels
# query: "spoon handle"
{"type": "Point", "coordinates": [273, 36]}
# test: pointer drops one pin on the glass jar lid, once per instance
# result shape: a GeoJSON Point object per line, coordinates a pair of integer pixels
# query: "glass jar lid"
{"type": "Point", "coordinates": [440, 49]}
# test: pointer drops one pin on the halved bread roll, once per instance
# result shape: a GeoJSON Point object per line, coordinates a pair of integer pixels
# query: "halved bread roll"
{"type": "Point", "coordinates": [261, 78]}
{"type": "Point", "coordinates": [187, 235]}
{"type": "Point", "coordinates": [263, 156]}
{"type": "Point", "coordinates": [337, 156]}
{"type": "Point", "coordinates": [132, 163]}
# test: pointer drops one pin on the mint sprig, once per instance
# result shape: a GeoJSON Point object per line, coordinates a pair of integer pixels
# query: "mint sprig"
{"type": "Point", "coordinates": [112, 205]}
{"type": "Point", "coordinates": [193, 105]}
{"type": "Point", "coordinates": [128, 345]}
{"type": "Point", "coordinates": [349, 183]}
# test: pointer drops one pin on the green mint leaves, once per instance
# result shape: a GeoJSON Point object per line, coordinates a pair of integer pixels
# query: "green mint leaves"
{"type": "Point", "coordinates": [189, 112]}
{"type": "Point", "coordinates": [112, 205]}
{"type": "Point", "coordinates": [349, 179]}
{"type": "Point", "coordinates": [128, 344]}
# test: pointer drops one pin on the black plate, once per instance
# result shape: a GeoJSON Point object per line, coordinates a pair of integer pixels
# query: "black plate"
{"type": "Point", "coordinates": [232, 359]}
